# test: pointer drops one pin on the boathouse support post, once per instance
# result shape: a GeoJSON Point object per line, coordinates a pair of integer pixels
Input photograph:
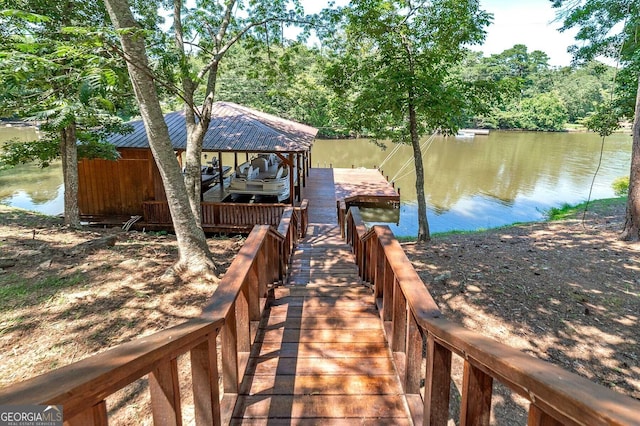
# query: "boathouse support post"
{"type": "Point", "coordinates": [292, 188]}
{"type": "Point", "coordinates": [220, 174]}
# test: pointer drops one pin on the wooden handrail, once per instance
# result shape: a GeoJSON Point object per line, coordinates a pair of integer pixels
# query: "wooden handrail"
{"type": "Point", "coordinates": [413, 322]}
{"type": "Point", "coordinates": [233, 312]}
{"type": "Point", "coordinates": [74, 385]}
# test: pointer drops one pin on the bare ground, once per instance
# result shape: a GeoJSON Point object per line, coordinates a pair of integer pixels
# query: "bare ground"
{"type": "Point", "coordinates": [61, 301]}
{"type": "Point", "coordinates": [567, 292]}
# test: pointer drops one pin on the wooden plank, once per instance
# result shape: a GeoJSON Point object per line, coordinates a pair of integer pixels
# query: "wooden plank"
{"type": "Point", "coordinates": [352, 293]}
{"type": "Point", "coordinates": [335, 303]}
{"type": "Point", "coordinates": [321, 311]}
{"type": "Point", "coordinates": [230, 362]}
{"type": "Point", "coordinates": [299, 384]}
{"type": "Point", "coordinates": [243, 322]}
{"type": "Point", "coordinates": [477, 388]}
{"type": "Point", "coordinates": [92, 416]}
{"type": "Point", "coordinates": [398, 320]}
{"type": "Point", "coordinates": [319, 336]}
{"type": "Point", "coordinates": [322, 407]}
{"type": "Point", "coordinates": [354, 322]}
{"type": "Point", "coordinates": [322, 350]}
{"type": "Point", "coordinates": [413, 372]}
{"type": "Point", "coordinates": [320, 366]}
{"type": "Point", "coordinates": [165, 394]}
{"type": "Point", "coordinates": [316, 421]}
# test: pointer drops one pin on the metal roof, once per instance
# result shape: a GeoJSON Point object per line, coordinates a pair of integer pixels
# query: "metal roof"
{"type": "Point", "coordinates": [233, 128]}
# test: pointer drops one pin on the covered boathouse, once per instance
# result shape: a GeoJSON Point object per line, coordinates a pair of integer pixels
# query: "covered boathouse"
{"type": "Point", "coordinates": [114, 191]}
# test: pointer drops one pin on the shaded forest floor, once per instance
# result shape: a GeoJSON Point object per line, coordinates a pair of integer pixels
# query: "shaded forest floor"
{"type": "Point", "coordinates": [60, 301]}
{"type": "Point", "coordinates": [564, 291]}
{"type": "Point", "coordinates": [567, 292]}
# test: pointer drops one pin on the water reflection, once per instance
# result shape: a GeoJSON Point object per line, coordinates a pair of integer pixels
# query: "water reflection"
{"type": "Point", "coordinates": [33, 188]}
{"type": "Point", "coordinates": [490, 180]}
{"type": "Point", "coordinates": [28, 186]}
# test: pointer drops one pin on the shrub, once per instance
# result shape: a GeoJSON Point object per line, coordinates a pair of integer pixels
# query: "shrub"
{"type": "Point", "coordinates": [621, 186]}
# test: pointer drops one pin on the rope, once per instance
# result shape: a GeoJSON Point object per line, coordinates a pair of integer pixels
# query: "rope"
{"type": "Point", "coordinates": [409, 160]}
{"type": "Point", "coordinates": [426, 144]}
{"type": "Point", "coordinates": [393, 151]}
{"type": "Point", "coordinates": [128, 224]}
{"type": "Point", "coordinates": [613, 87]}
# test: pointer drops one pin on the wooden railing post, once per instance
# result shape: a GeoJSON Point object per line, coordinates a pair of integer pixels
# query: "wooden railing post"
{"type": "Point", "coordinates": [255, 292]}
{"type": "Point", "coordinates": [92, 416]}
{"type": "Point", "coordinates": [399, 320]}
{"type": "Point", "coordinates": [243, 325]}
{"type": "Point", "coordinates": [437, 384]}
{"type": "Point", "coordinates": [398, 341]}
{"type": "Point", "coordinates": [414, 357]}
{"type": "Point", "coordinates": [380, 261]}
{"type": "Point", "coordinates": [165, 394]}
{"type": "Point", "coordinates": [206, 391]}
{"type": "Point", "coordinates": [230, 363]}
{"type": "Point", "coordinates": [537, 417]}
{"type": "Point", "coordinates": [387, 291]}
{"type": "Point", "coordinates": [477, 388]}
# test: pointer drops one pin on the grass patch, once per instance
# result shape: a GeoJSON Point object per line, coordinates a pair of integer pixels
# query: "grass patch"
{"type": "Point", "coordinates": [16, 290]}
{"type": "Point", "coordinates": [14, 216]}
{"type": "Point", "coordinates": [569, 211]}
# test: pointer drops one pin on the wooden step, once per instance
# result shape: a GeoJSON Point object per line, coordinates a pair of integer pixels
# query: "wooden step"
{"type": "Point", "coordinates": [362, 407]}
{"type": "Point", "coordinates": [320, 281]}
{"type": "Point", "coordinates": [301, 291]}
{"type": "Point", "coordinates": [322, 350]}
{"type": "Point", "coordinates": [317, 301]}
{"type": "Point", "coordinates": [301, 384]}
{"type": "Point", "coordinates": [319, 336]}
{"type": "Point", "coordinates": [268, 366]}
{"type": "Point", "coordinates": [356, 322]}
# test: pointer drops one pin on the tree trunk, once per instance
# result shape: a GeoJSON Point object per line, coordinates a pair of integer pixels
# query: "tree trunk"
{"type": "Point", "coordinates": [196, 131]}
{"type": "Point", "coordinates": [69, 155]}
{"type": "Point", "coordinates": [423, 223]}
{"type": "Point", "coordinates": [194, 253]}
{"type": "Point", "coordinates": [631, 231]}
{"type": "Point", "coordinates": [193, 153]}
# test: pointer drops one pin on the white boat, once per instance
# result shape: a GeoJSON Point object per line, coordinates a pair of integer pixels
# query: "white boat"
{"type": "Point", "coordinates": [264, 175]}
{"type": "Point", "coordinates": [465, 134]}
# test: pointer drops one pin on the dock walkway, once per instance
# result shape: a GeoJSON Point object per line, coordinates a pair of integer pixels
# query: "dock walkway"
{"type": "Point", "coordinates": [321, 355]}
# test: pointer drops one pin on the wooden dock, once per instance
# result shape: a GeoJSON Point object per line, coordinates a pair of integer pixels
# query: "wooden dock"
{"type": "Point", "coordinates": [321, 355]}
{"type": "Point", "coordinates": [326, 186]}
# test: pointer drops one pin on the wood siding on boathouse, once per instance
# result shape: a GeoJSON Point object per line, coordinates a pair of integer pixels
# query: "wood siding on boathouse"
{"type": "Point", "coordinates": [118, 188]}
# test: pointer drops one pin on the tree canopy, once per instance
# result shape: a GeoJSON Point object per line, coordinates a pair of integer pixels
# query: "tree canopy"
{"type": "Point", "coordinates": [610, 29]}
{"type": "Point", "coordinates": [60, 75]}
{"type": "Point", "coordinates": [391, 69]}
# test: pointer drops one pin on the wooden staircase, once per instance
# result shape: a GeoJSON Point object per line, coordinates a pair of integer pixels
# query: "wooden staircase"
{"type": "Point", "coordinates": [321, 355]}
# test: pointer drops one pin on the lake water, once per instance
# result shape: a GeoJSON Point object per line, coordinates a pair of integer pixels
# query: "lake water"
{"type": "Point", "coordinates": [480, 182]}
{"type": "Point", "coordinates": [489, 181]}
{"type": "Point", "coordinates": [29, 186]}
